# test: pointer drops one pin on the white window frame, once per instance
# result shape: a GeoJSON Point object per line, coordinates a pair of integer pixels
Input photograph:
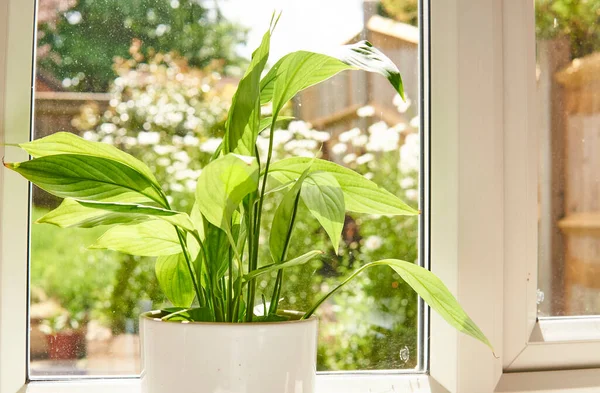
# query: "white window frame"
{"type": "Point", "coordinates": [483, 201]}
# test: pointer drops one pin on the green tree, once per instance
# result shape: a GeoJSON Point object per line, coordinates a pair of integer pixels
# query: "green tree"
{"type": "Point", "coordinates": [405, 11]}
{"type": "Point", "coordinates": [576, 19]}
{"type": "Point", "coordinates": [86, 38]}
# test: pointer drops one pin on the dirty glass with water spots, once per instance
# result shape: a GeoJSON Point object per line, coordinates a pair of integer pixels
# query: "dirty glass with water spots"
{"type": "Point", "coordinates": [156, 78]}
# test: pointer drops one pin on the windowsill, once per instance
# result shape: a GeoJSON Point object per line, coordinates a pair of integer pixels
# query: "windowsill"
{"type": "Point", "coordinates": [332, 383]}
{"type": "Point", "coordinates": [567, 329]}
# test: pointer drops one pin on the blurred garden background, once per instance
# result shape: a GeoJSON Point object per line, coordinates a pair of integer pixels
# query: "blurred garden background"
{"type": "Point", "coordinates": [156, 78]}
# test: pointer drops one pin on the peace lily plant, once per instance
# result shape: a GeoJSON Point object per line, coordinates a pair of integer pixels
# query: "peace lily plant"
{"type": "Point", "coordinates": [207, 259]}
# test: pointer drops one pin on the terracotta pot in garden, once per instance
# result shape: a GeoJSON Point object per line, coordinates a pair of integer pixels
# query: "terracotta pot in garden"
{"type": "Point", "coordinates": [66, 345]}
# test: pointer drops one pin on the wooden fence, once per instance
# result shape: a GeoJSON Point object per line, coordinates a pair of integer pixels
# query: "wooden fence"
{"type": "Point", "coordinates": [53, 112]}
{"type": "Point", "coordinates": [332, 106]}
{"type": "Point", "coordinates": [575, 135]}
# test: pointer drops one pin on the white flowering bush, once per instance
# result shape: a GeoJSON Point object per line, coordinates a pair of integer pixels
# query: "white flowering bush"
{"type": "Point", "coordinates": [171, 116]}
{"type": "Point", "coordinates": [376, 327]}
{"type": "Point", "coordinates": [368, 326]}
{"type": "Point", "coordinates": [165, 113]}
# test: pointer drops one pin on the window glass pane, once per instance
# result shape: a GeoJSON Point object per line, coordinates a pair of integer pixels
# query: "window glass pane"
{"type": "Point", "coordinates": [568, 57]}
{"type": "Point", "coordinates": [155, 78]}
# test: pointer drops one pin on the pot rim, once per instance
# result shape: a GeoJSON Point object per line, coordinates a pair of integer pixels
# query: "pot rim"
{"type": "Point", "coordinates": [148, 316]}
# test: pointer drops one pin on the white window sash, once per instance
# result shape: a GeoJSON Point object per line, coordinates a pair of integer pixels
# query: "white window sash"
{"type": "Point", "coordinates": [16, 38]}
{"type": "Point", "coordinates": [529, 344]}
{"type": "Point", "coordinates": [467, 186]}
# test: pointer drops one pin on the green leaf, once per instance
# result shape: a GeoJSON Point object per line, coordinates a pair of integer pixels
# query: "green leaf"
{"type": "Point", "coordinates": [174, 279]}
{"type": "Point", "coordinates": [323, 196]}
{"type": "Point", "coordinates": [199, 314]}
{"type": "Point", "coordinates": [430, 288]}
{"type": "Point", "coordinates": [82, 214]}
{"type": "Point", "coordinates": [192, 243]}
{"type": "Point", "coordinates": [89, 178]}
{"type": "Point", "coordinates": [67, 143]}
{"type": "Point", "coordinates": [360, 194]}
{"type": "Point", "coordinates": [299, 70]}
{"type": "Point", "coordinates": [295, 72]}
{"type": "Point", "coordinates": [364, 56]}
{"type": "Point", "coordinates": [72, 214]}
{"type": "Point", "coordinates": [244, 115]}
{"type": "Point", "coordinates": [223, 185]}
{"type": "Point", "coordinates": [150, 238]}
{"type": "Point", "coordinates": [302, 259]}
{"type": "Point", "coordinates": [217, 250]}
{"type": "Point", "coordinates": [281, 229]}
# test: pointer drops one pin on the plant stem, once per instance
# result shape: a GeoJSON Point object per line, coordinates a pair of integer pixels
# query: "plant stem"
{"type": "Point", "coordinates": [186, 255]}
{"type": "Point", "coordinates": [279, 280]}
{"type": "Point", "coordinates": [254, 258]}
{"type": "Point", "coordinates": [350, 277]}
{"type": "Point", "coordinates": [230, 289]}
{"type": "Point", "coordinates": [276, 293]}
{"type": "Point", "coordinates": [238, 291]}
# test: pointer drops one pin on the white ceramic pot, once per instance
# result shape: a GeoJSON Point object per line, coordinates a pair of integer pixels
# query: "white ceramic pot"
{"type": "Point", "coordinates": [274, 357]}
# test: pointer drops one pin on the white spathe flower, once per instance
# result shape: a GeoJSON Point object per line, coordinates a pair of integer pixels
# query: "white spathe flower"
{"type": "Point", "coordinates": [339, 148]}
{"type": "Point", "coordinates": [373, 242]}
{"type": "Point", "coordinates": [148, 138]}
{"type": "Point", "coordinates": [365, 111]}
{"type": "Point", "coordinates": [210, 145]}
